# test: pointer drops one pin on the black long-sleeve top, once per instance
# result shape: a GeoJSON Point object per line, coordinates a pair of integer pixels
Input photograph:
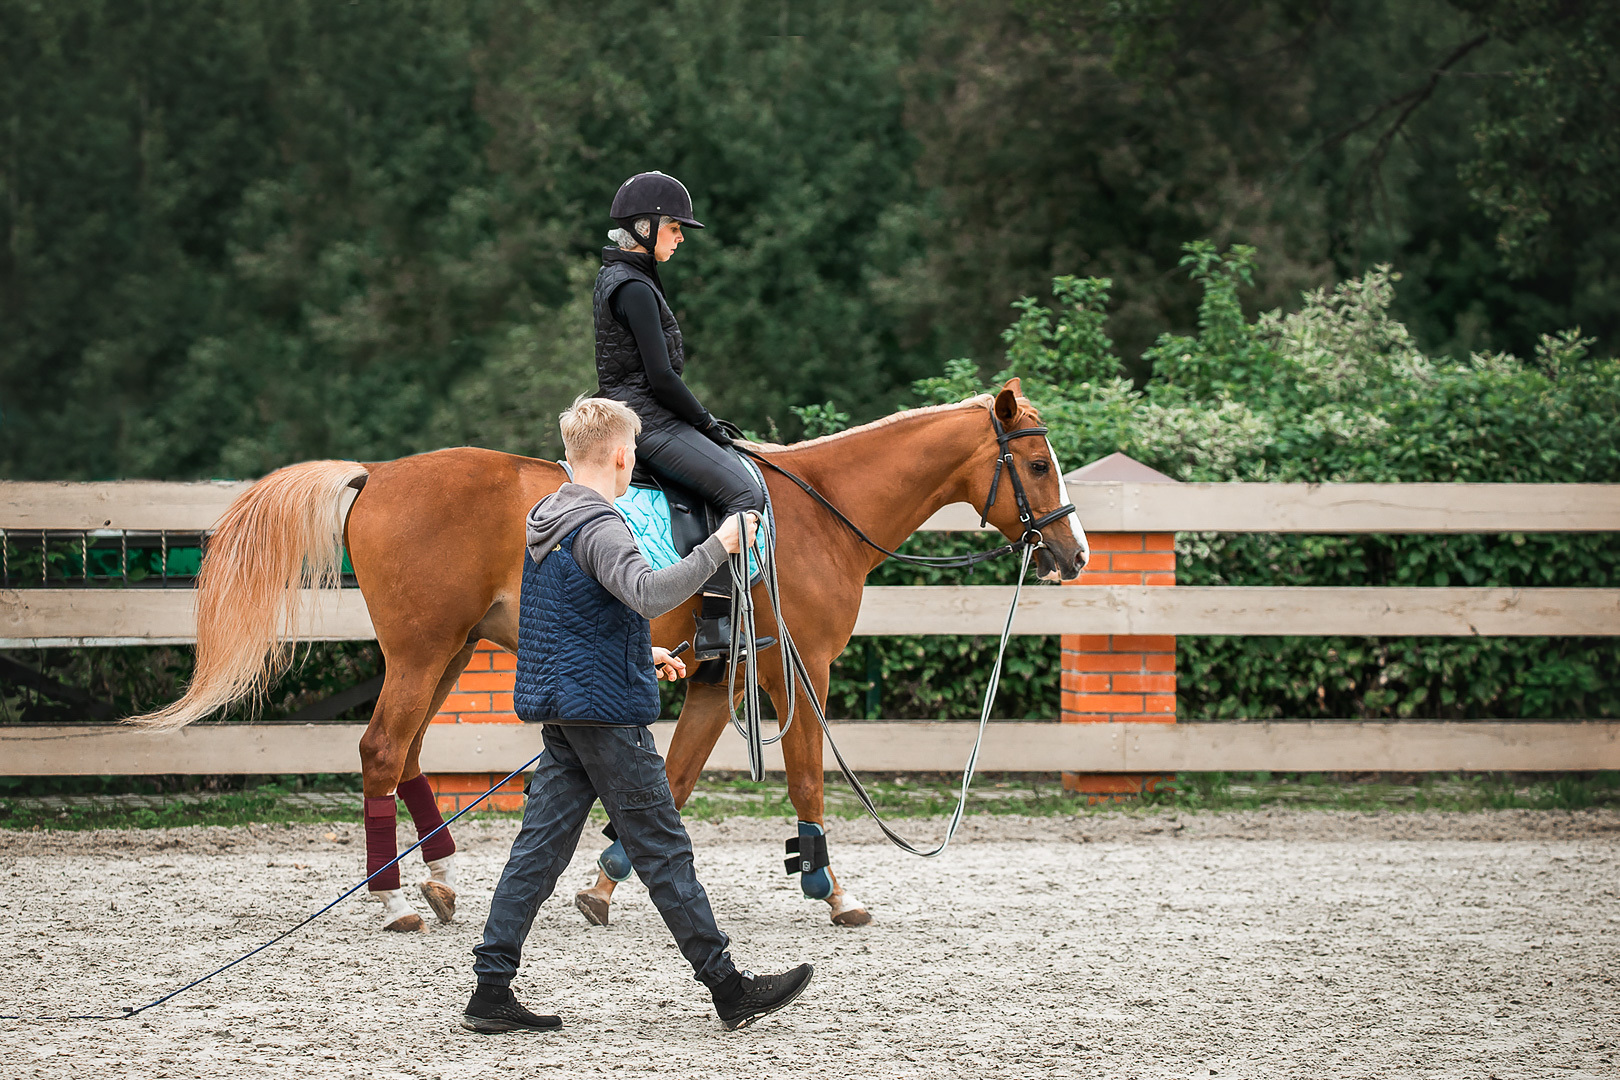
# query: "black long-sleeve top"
{"type": "Point", "coordinates": [635, 306]}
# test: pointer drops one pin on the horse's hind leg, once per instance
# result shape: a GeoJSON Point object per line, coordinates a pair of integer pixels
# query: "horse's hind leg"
{"type": "Point", "coordinates": [802, 755]}
{"type": "Point", "coordinates": [439, 850]}
{"type": "Point", "coordinates": [389, 744]}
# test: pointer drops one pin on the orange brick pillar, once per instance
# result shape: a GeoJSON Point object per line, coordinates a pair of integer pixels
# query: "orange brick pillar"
{"type": "Point", "coordinates": [483, 695]}
{"type": "Point", "coordinates": [1121, 678]}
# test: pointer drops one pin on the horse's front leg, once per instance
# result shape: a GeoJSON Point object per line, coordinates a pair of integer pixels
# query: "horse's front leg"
{"type": "Point", "coordinates": [802, 754]}
{"type": "Point", "coordinates": [703, 718]}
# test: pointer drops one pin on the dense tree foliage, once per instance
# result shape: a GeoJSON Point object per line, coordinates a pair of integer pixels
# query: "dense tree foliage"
{"type": "Point", "coordinates": [240, 234]}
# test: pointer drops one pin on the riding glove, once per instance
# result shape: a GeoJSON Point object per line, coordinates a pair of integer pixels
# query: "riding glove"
{"type": "Point", "coordinates": [715, 433]}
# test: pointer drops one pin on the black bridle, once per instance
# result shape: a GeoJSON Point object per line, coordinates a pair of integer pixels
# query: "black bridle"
{"type": "Point", "coordinates": [1032, 524]}
{"type": "Point", "coordinates": [1026, 516]}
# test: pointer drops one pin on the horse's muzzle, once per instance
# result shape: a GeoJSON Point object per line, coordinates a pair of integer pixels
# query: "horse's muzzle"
{"type": "Point", "coordinates": [1059, 561]}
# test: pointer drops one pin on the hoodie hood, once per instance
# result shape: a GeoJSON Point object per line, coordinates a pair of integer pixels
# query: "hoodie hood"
{"type": "Point", "coordinates": [560, 513]}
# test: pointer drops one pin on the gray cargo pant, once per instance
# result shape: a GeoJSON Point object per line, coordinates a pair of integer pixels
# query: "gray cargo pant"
{"type": "Point", "coordinates": [622, 767]}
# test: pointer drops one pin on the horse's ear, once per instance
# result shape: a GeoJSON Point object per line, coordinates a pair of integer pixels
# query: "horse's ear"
{"type": "Point", "coordinates": [1007, 402]}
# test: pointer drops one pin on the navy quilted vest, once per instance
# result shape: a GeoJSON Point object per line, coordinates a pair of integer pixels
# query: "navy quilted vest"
{"type": "Point", "coordinates": [582, 655]}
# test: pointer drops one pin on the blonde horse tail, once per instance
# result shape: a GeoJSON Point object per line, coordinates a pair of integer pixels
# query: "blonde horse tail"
{"type": "Point", "coordinates": [282, 535]}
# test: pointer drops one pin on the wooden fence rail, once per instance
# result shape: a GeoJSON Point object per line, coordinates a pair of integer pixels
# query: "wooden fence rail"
{"type": "Point", "coordinates": [1297, 746]}
{"type": "Point", "coordinates": [1107, 506]}
{"type": "Point", "coordinates": [85, 617]}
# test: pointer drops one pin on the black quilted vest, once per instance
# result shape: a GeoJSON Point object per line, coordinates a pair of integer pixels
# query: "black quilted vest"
{"type": "Point", "coordinates": [620, 373]}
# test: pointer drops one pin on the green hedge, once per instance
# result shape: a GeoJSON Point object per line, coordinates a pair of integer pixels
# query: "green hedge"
{"type": "Point", "coordinates": [1334, 392]}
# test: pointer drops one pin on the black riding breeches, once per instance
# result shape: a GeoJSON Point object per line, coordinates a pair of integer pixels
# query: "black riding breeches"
{"type": "Point", "coordinates": [714, 472]}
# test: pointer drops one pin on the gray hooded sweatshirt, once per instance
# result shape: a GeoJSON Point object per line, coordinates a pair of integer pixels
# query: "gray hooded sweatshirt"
{"type": "Point", "coordinates": [607, 552]}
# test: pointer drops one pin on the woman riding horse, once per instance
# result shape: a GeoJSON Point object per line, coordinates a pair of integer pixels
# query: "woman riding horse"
{"type": "Point", "coordinates": [640, 359]}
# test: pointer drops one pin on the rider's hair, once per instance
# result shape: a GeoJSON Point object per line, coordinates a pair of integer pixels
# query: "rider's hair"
{"type": "Point", "coordinates": [626, 240]}
{"type": "Point", "coordinates": [593, 427]}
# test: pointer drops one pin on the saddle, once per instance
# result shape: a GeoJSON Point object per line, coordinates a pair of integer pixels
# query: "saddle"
{"type": "Point", "coordinates": [669, 521]}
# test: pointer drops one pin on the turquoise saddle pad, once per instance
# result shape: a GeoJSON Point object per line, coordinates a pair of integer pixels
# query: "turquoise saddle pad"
{"type": "Point", "coordinates": [647, 512]}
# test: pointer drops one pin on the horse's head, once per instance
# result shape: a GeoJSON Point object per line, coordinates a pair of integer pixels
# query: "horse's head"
{"type": "Point", "coordinates": [1033, 464]}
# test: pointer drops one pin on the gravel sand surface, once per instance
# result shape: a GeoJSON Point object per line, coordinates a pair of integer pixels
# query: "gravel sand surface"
{"type": "Point", "coordinates": [1258, 944]}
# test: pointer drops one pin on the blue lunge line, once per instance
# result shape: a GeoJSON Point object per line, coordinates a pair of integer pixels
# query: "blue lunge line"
{"type": "Point", "coordinates": [129, 1014]}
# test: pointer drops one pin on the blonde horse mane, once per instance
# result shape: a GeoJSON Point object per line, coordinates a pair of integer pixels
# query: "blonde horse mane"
{"type": "Point", "coordinates": [983, 401]}
{"type": "Point", "coordinates": [282, 535]}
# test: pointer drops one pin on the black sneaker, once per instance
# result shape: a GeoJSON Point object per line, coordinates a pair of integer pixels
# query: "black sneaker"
{"type": "Point", "coordinates": [762, 994]}
{"type": "Point", "coordinates": [488, 1011]}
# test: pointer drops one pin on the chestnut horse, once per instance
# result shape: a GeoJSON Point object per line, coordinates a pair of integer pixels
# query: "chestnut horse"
{"type": "Point", "coordinates": [436, 542]}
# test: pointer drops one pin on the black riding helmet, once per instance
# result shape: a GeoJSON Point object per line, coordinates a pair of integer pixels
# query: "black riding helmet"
{"type": "Point", "coordinates": [649, 195]}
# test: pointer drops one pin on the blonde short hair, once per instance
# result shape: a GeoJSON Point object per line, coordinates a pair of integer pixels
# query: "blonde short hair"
{"type": "Point", "coordinates": [594, 427]}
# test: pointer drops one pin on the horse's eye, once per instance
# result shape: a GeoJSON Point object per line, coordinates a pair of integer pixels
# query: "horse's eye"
{"type": "Point", "coordinates": [1039, 468]}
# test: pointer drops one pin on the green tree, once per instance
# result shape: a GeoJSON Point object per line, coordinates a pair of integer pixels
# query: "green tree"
{"type": "Point", "coordinates": [1333, 137]}
{"type": "Point", "coordinates": [241, 234]}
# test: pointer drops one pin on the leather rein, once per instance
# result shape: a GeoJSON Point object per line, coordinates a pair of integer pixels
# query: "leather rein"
{"type": "Point", "coordinates": [1032, 524]}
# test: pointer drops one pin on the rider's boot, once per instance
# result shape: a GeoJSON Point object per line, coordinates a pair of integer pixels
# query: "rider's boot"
{"type": "Point", "coordinates": [713, 637]}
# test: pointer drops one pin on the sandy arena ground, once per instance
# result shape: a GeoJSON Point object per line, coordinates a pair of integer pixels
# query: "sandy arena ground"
{"type": "Point", "coordinates": [1286, 944]}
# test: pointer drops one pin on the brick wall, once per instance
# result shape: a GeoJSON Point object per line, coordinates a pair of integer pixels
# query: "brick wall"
{"type": "Point", "coordinates": [483, 695]}
{"type": "Point", "coordinates": [1121, 678]}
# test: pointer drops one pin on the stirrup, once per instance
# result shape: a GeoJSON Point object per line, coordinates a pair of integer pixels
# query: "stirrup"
{"type": "Point", "coordinates": [712, 639]}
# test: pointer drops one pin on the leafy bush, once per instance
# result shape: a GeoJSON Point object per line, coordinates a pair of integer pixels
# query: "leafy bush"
{"type": "Point", "coordinates": [1336, 391]}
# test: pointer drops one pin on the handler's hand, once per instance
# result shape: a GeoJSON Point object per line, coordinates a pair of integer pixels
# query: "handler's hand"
{"type": "Point", "coordinates": [728, 532]}
{"type": "Point", "coordinates": [669, 665]}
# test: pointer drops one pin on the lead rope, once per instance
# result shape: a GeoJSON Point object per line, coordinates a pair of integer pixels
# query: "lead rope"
{"type": "Point", "coordinates": [130, 1014]}
{"type": "Point", "coordinates": [749, 725]}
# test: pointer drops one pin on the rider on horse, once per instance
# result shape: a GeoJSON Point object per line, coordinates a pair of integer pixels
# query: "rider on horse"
{"type": "Point", "coordinates": [639, 361]}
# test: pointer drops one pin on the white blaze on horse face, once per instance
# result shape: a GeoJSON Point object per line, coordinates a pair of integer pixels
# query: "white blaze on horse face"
{"type": "Point", "coordinates": [1074, 518]}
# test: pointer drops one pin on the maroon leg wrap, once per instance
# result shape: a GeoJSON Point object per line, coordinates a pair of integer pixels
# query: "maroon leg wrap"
{"type": "Point", "coordinates": [381, 847]}
{"type": "Point", "coordinates": [424, 808]}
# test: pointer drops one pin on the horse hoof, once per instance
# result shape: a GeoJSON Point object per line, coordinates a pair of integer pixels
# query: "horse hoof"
{"type": "Point", "coordinates": [847, 911]}
{"type": "Point", "coordinates": [593, 907]}
{"type": "Point", "coordinates": [441, 898]}
{"type": "Point", "coordinates": [406, 924]}
{"type": "Point", "coordinates": [397, 914]}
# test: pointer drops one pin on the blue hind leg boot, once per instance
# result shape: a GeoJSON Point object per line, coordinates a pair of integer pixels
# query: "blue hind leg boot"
{"type": "Point", "coordinates": [807, 857]}
{"type": "Point", "coordinates": [614, 862]}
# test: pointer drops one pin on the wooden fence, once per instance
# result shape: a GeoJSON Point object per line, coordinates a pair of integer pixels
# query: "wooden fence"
{"type": "Point", "coordinates": [65, 616]}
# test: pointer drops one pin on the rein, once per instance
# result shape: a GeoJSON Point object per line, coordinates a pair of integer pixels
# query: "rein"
{"type": "Point", "coordinates": [1004, 459]}
{"type": "Point", "coordinates": [794, 671]}
{"type": "Point", "coordinates": [750, 724]}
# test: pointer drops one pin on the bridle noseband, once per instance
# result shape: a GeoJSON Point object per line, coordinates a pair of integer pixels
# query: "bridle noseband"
{"type": "Point", "coordinates": [1026, 517]}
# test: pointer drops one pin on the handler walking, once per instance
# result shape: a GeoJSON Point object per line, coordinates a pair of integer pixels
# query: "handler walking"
{"type": "Point", "coordinates": [585, 657]}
